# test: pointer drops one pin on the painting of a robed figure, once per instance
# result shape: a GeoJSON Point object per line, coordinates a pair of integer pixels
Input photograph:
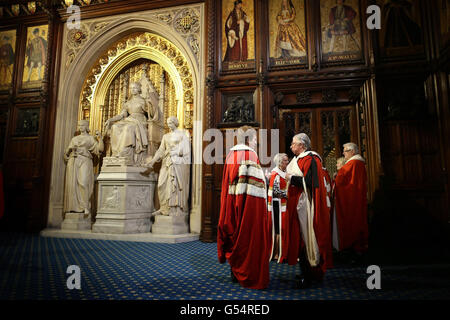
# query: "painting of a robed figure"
{"type": "Point", "coordinates": [401, 31]}
{"type": "Point", "coordinates": [287, 32]}
{"type": "Point", "coordinates": [238, 34]}
{"type": "Point", "coordinates": [341, 34]}
{"type": "Point", "coordinates": [35, 56]}
{"type": "Point", "coordinates": [7, 56]}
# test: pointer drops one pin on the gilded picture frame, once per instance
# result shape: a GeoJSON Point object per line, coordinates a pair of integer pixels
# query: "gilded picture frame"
{"type": "Point", "coordinates": [288, 45]}
{"type": "Point", "coordinates": [237, 36]}
{"type": "Point", "coordinates": [340, 30]}
{"type": "Point", "coordinates": [7, 58]}
{"type": "Point", "coordinates": [35, 58]}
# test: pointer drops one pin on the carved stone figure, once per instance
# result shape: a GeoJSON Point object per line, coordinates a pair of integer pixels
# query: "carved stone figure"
{"type": "Point", "coordinates": [173, 180]}
{"type": "Point", "coordinates": [129, 137]}
{"type": "Point", "coordinates": [79, 172]}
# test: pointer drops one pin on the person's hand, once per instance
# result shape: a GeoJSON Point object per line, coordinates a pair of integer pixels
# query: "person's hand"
{"type": "Point", "coordinates": [107, 124]}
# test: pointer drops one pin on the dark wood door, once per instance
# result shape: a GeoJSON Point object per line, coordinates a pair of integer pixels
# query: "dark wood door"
{"type": "Point", "coordinates": [328, 128]}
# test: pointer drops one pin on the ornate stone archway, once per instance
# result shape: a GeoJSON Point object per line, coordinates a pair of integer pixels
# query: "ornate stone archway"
{"type": "Point", "coordinates": [182, 28]}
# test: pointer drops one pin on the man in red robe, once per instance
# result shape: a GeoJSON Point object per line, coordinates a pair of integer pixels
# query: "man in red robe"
{"type": "Point", "coordinates": [351, 203]}
{"type": "Point", "coordinates": [236, 28]}
{"type": "Point", "coordinates": [243, 231]}
{"type": "Point", "coordinates": [309, 219]}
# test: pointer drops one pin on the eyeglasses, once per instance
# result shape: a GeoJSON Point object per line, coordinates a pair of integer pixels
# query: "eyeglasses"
{"type": "Point", "coordinates": [347, 150]}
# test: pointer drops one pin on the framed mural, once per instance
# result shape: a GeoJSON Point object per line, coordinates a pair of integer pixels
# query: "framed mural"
{"type": "Point", "coordinates": [35, 56]}
{"type": "Point", "coordinates": [287, 33]}
{"type": "Point", "coordinates": [340, 25]}
{"type": "Point", "coordinates": [27, 122]}
{"type": "Point", "coordinates": [7, 57]}
{"type": "Point", "coordinates": [238, 109]}
{"type": "Point", "coordinates": [401, 28]}
{"type": "Point", "coordinates": [238, 35]}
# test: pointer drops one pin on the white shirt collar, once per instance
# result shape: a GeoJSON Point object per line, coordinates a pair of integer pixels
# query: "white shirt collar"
{"type": "Point", "coordinates": [280, 172]}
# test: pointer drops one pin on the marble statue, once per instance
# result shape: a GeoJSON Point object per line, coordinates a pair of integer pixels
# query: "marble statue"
{"type": "Point", "coordinates": [79, 183]}
{"type": "Point", "coordinates": [174, 176]}
{"type": "Point", "coordinates": [129, 136]}
{"type": "Point", "coordinates": [156, 117]}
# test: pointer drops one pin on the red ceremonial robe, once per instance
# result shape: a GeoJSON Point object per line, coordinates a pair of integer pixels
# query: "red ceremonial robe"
{"type": "Point", "coordinates": [243, 236]}
{"type": "Point", "coordinates": [321, 217]}
{"type": "Point", "coordinates": [283, 219]}
{"type": "Point", "coordinates": [351, 206]}
{"type": "Point", "coordinates": [236, 49]}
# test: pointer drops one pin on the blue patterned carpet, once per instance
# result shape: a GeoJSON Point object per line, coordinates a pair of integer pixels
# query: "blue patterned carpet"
{"type": "Point", "coordinates": [34, 268]}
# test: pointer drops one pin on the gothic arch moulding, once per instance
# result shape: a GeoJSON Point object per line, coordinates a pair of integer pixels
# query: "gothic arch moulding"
{"type": "Point", "coordinates": [180, 29]}
{"type": "Point", "coordinates": [141, 46]}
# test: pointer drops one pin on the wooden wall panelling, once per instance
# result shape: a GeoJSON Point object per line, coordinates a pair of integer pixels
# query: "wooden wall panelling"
{"type": "Point", "coordinates": [371, 135]}
{"type": "Point", "coordinates": [207, 226]}
{"type": "Point", "coordinates": [38, 213]}
{"type": "Point", "coordinates": [27, 132]}
{"type": "Point", "coordinates": [393, 48]}
{"type": "Point", "coordinates": [4, 116]}
{"type": "Point", "coordinates": [440, 81]}
{"type": "Point", "coordinates": [413, 144]}
{"type": "Point", "coordinates": [49, 127]}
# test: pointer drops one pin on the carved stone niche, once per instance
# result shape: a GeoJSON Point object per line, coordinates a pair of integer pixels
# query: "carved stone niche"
{"type": "Point", "coordinates": [240, 110]}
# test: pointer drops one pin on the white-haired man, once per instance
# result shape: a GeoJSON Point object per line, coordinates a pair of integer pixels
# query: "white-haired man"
{"type": "Point", "coordinates": [350, 228]}
{"type": "Point", "coordinates": [242, 232]}
{"type": "Point", "coordinates": [277, 207]}
{"type": "Point", "coordinates": [309, 220]}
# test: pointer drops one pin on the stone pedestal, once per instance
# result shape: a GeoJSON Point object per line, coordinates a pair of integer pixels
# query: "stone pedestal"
{"type": "Point", "coordinates": [170, 225]}
{"type": "Point", "coordinates": [125, 198]}
{"type": "Point", "coordinates": [76, 221]}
